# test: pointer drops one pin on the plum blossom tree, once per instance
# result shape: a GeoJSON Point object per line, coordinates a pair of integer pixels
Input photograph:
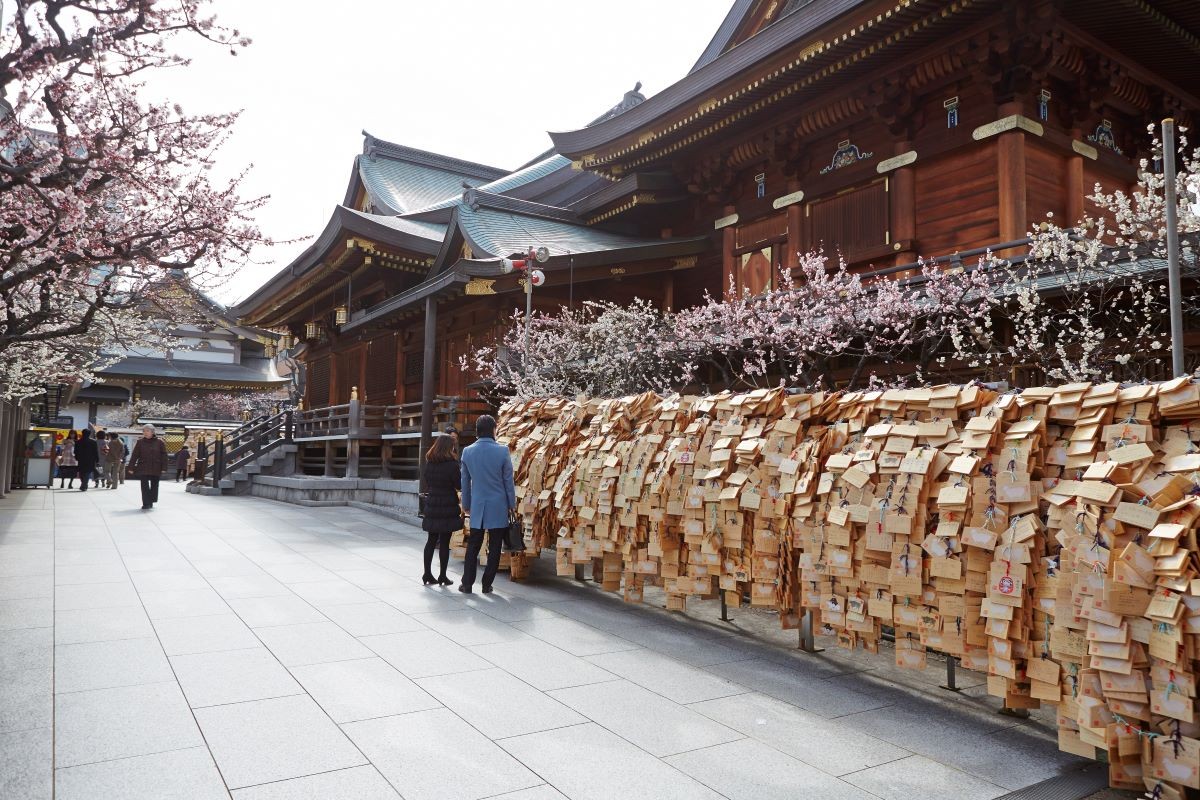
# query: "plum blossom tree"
{"type": "Point", "coordinates": [798, 332]}
{"type": "Point", "coordinates": [102, 192]}
{"type": "Point", "coordinates": [1089, 302]}
{"type": "Point", "coordinates": [1086, 302]}
{"type": "Point", "coordinates": [601, 349]}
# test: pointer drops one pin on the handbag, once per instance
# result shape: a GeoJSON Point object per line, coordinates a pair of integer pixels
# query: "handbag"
{"type": "Point", "coordinates": [514, 538]}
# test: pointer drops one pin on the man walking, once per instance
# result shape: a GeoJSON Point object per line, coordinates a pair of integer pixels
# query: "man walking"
{"type": "Point", "coordinates": [489, 498]}
{"type": "Point", "coordinates": [88, 454]}
{"type": "Point", "coordinates": [148, 461]}
{"type": "Point", "coordinates": [112, 460]}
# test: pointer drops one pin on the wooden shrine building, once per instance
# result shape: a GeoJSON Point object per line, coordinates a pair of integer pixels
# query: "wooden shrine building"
{"type": "Point", "coordinates": [885, 130]}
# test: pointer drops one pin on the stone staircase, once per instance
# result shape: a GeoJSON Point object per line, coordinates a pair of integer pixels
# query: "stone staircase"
{"type": "Point", "coordinates": [279, 460]}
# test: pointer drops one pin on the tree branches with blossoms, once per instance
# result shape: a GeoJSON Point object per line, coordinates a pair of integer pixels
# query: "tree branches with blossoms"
{"type": "Point", "coordinates": [102, 192]}
{"type": "Point", "coordinates": [826, 319]}
{"type": "Point", "coordinates": [1089, 302]}
{"type": "Point", "coordinates": [601, 349]}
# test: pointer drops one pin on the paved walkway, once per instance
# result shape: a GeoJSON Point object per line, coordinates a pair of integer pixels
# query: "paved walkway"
{"type": "Point", "coordinates": [233, 646]}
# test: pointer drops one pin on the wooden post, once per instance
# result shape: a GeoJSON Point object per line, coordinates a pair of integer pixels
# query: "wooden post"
{"type": "Point", "coordinates": [1010, 171]}
{"type": "Point", "coordinates": [1076, 191]}
{"type": "Point", "coordinates": [728, 260]}
{"type": "Point", "coordinates": [353, 425]}
{"type": "Point", "coordinates": [795, 231]}
{"type": "Point", "coordinates": [329, 459]}
{"type": "Point", "coordinates": [902, 200]}
{"type": "Point", "coordinates": [428, 385]}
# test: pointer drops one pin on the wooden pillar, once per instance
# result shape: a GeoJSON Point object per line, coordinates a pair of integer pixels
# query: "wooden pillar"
{"type": "Point", "coordinates": [1010, 171]}
{"type": "Point", "coordinates": [9, 443]}
{"type": "Point", "coordinates": [1076, 191]}
{"type": "Point", "coordinates": [795, 235]}
{"type": "Point", "coordinates": [428, 384]}
{"type": "Point", "coordinates": [329, 451]}
{"type": "Point", "coordinates": [729, 265]}
{"type": "Point", "coordinates": [902, 202]}
{"type": "Point", "coordinates": [668, 291]}
{"type": "Point", "coordinates": [353, 445]}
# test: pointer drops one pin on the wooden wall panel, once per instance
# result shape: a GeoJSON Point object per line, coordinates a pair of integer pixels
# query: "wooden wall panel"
{"type": "Point", "coordinates": [1046, 183]}
{"type": "Point", "coordinates": [853, 223]}
{"type": "Point", "coordinates": [317, 383]}
{"type": "Point", "coordinates": [380, 378]}
{"type": "Point", "coordinates": [957, 198]}
{"type": "Point", "coordinates": [347, 369]}
{"type": "Point", "coordinates": [453, 381]}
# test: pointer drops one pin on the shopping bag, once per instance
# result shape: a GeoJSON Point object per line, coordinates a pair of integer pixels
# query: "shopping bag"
{"type": "Point", "coordinates": [514, 539]}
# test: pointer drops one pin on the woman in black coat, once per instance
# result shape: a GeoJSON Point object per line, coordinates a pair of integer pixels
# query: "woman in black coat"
{"type": "Point", "coordinates": [443, 513]}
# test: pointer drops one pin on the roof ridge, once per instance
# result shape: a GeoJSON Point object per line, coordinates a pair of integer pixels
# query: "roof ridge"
{"type": "Point", "coordinates": [373, 145]}
{"type": "Point", "coordinates": [475, 198]}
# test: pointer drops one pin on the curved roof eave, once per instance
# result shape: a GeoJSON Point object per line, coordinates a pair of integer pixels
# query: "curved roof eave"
{"type": "Point", "coordinates": [704, 78]}
{"type": "Point", "coordinates": [343, 221]}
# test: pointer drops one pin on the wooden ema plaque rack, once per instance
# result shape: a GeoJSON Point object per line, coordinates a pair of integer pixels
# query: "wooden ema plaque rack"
{"type": "Point", "coordinates": [1046, 538]}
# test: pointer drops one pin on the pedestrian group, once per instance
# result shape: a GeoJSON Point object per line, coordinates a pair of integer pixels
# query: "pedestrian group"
{"type": "Point", "coordinates": [478, 486]}
{"type": "Point", "coordinates": [100, 458]}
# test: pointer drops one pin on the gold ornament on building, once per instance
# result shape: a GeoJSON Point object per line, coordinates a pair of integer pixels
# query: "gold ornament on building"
{"type": "Point", "coordinates": [341, 315]}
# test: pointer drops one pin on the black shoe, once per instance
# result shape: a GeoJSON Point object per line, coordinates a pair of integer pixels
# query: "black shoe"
{"type": "Point", "coordinates": [428, 579]}
{"type": "Point", "coordinates": [465, 589]}
{"type": "Point", "coordinates": [444, 581]}
{"type": "Point", "coordinates": [487, 590]}
{"type": "Point", "coordinates": [145, 508]}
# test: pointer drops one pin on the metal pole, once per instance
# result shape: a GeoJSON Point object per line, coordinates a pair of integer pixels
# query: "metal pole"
{"type": "Point", "coordinates": [528, 309]}
{"type": "Point", "coordinates": [808, 642]}
{"type": "Point", "coordinates": [724, 608]}
{"type": "Point", "coordinates": [950, 676]}
{"type": "Point", "coordinates": [1173, 282]}
{"type": "Point", "coordinates": [428, 388]}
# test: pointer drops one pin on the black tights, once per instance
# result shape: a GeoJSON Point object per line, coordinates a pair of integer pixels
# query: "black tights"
{"type": "Point", "coordinates": [442, 542]}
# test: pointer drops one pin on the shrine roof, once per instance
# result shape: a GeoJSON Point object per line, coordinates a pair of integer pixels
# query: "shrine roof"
{"type": "Point", "coordinates": [414, 236]}
{"type": "Point", "coordinates": [399, 179]}
{"type": "Point", "coordinates": [261, 373]}
{"type": "Point", "coordinates": [501, 226]}
{"type": "Point", "coordinates": [706, 75]}
{"type": "Point", "coordinates": [514, 180]}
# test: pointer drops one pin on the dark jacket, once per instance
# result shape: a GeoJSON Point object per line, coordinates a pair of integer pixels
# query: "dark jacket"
{"type": "Point", "coordinates": [87, 452]}
{"type": "Point", "coordinates": [442, 511]}
{"type": "Point", "coordinates": [149, 458]}
{"type": "Point", "coordinates": [181, 458]}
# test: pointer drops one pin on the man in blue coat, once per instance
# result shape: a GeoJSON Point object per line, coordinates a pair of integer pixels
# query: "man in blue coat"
{"type": "Point", "coordinates": [488, 497]}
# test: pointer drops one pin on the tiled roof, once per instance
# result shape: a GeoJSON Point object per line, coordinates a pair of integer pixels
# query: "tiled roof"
{"type": "Point", "coordinates": [399, 179]}
{"type": "Point", "coordinates": [433, 231]}
{"type": "Point", "coordinates": [261, 371]}
{"type": "Point", "coordinates": [505, 231]}
{"type": "Point", "coordinates": [508, 183]}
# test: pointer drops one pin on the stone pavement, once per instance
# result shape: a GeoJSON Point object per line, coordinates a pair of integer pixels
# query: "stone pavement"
{"type": "Point", "coordinates": [235, 646]}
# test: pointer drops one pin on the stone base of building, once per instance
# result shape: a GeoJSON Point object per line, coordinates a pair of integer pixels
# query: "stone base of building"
{"type": "Point", "coordinates": [396, 499]}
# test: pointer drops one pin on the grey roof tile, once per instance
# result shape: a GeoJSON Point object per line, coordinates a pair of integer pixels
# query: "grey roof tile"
{"type": "Point", "coordinates": [261, 371]}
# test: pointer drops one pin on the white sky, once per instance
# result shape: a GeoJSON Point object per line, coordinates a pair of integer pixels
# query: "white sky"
{"type": "Point", "coordinates": [476, 79]}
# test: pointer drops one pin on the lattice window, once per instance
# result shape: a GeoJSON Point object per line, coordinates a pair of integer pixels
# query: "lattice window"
{"type": "Point", "coordinates": [414, 366]}
{"type": "Point", "coordinates": [761, 231]}
{"type": "Point", "coordinates": [853, 223]}
{"type": "Point", "coordinates": [318, 383]}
